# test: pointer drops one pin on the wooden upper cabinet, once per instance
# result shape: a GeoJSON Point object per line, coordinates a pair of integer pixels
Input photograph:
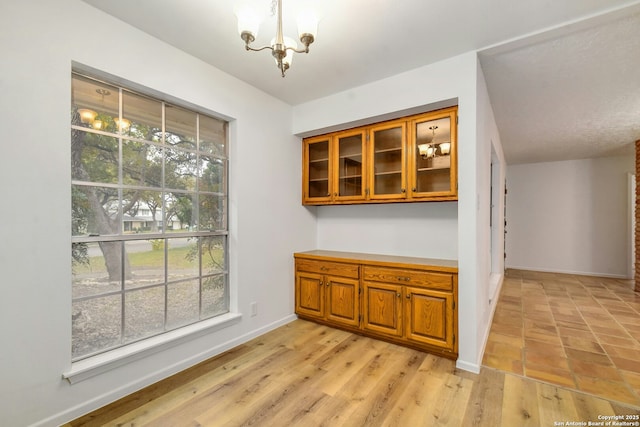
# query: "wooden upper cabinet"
{"type": "Point", "coordinates": [433, 155]}
{"type": "Point", "coordinates": [383, 162]}
{"type": "Point", "coordinates": [316, 171]}
{"type": "Point", "coordinates": [388, 176]}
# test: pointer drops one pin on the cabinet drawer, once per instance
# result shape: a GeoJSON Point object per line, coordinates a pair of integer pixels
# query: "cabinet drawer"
{"type": "Point", "coordinates": [400, 276]}
{"type": "Point", "coordinates": [330, 268]}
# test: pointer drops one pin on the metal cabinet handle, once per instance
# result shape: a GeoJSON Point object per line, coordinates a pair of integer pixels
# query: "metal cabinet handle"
{"type": "Point", "coordinates": [404, 279]}
{"type": "Point", "coordinates": [328, 283]}
{"type": "Point", "coordinates": [403, 190]}
{"type": "Point", "coordinates": [414, 189]}
{"type": "Point", "coordinates": [398, 294]}
{"type": "Point", "coordinates": [408, 296]}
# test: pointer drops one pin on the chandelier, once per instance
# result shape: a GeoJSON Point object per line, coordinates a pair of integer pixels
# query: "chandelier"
{"type": "Point", "coordinates": [282, 48]}
{"type": "Point", "coordinates": [430, 149]}
{"type": "Point", "coordinates": [91, 118]}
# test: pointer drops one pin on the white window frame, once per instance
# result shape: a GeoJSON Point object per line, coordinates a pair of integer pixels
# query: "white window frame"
{"type": "Point", "coordinates": [92, 364]}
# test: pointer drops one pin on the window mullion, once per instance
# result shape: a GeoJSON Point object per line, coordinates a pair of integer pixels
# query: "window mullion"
{"type": "Point", "coordinates": [165, 218]}
{"type": "Point", "coordinates": [123, 255]}
{"type": "Point", "coordinates": [198, 176]}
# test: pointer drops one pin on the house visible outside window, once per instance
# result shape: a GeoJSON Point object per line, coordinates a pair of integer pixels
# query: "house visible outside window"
{"type": "Point", "coordinates": [149, 216]}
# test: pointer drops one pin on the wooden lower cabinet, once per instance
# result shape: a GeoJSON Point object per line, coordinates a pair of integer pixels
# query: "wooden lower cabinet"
{"type": "Point", "coordinates": [327, 297]}
{"type": "Point", "coordinates": [407, 301]}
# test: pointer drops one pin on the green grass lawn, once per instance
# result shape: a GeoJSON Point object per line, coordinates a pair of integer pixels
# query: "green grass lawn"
{"type": "Point", "coordinates": [148, 259]}
{"type": "Point", "coordinates": [178, 258]}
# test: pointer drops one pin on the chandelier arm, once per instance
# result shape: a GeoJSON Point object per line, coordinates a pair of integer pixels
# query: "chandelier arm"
{"type": "Point", "coordinates": [247, 47]}
{"type": "Point", "coordinates": [298, 50]}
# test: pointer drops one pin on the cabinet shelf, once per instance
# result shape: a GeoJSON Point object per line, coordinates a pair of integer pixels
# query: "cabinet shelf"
{"type": "Point", "coordinates": [351, 177]}
{"type": "Point", "coordinates": [318, 160]}
{"type": "Point", "coordinates": [388, 173]}
{"type": "Point", "coordinates": [319, 180]}
{"type": "Point", "coordinates": [389, 150]}
{"type": "Point", "coordinates": [433, 169]}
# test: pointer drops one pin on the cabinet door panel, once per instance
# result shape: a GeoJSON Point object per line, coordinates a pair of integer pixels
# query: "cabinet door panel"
{"type": "Point", "coordinates": [388, 161]}
{"type": "Point", "coordinates": [342, 301]}
{"type": "Point", "coordinates": [432, 157]}
{"type": "Point", "coordinates": [350, 169]}
{"type": "Point", "coordinates": [310, 294]}
{"type": "Point", "coordinates": [430, 317]}
{"type": "Point", "coordinates": [383, 308]}
{"type": "Point", "coordinates": [316, 176]}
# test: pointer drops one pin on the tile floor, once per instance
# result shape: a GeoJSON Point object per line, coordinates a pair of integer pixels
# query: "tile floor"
{"type": "Point", "coordinates": [579, 332]}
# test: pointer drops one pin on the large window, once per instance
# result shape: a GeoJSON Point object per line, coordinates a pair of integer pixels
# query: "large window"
{"type": "Point", "coordinates": [149, 216]}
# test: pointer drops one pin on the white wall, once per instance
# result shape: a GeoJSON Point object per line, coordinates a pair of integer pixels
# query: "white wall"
{"type": "Point", "coordinates": [569, 216]}
{"type": "Point", "coordinates": [39, 39]}
{"type": "Point", "coordinates": [413, 229]}
{"type": "Point", "coordinates": [490, 244]}
{"type": "Point", "coordinates": [386, 229]}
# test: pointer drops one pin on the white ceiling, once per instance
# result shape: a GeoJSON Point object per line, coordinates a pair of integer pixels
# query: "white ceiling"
{"type": "Point", "coordinates": [563, 76]}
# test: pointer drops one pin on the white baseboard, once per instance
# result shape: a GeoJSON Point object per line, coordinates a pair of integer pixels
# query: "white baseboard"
{"type": "Point", "coordinates": [561, 271]}
{"type": "Point", "coordinates": [466, 366]}
{"type": "Point", "coordinates": [494, 304]}
{"type": "Point", "coordinates": [115, 394]}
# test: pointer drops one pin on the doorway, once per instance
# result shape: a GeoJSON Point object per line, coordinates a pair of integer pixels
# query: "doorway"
{"type": "Point", "coordinates": [631, 226]}
{"type": "Point", "coordinates": [496, 224]}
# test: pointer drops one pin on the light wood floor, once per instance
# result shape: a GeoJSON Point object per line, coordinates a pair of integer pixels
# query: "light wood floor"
{"type": "Point", "coordinates": [304, 374]}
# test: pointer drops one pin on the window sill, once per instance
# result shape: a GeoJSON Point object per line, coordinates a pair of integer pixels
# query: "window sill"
{"type": "Point", "coordinates": [104, 362]}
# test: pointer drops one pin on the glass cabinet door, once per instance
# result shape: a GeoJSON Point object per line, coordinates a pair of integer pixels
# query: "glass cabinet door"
{"type": "Point", "coordinates": [350, 170]}
{"type": "Point", "coordinates": [316, 184]}
{"type": "Point", "coordinates": [432, 157]}
{"type": "Point", "coordinates": [387, 143]}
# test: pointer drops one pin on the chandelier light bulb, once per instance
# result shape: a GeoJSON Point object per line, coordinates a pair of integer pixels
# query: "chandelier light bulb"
{"type": "Point", "coordinates": [248, 23]}
{"type": "Point", "coordinates": [290, 45]}
{"type": "Point", "coordinates": [87, 116]}
{"type": "Point", "coordinates": [422, 149]}
{"type": "Point", "coordinates": [307, 27]}
{"type": "Point", "coordinates": [122, 124]}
